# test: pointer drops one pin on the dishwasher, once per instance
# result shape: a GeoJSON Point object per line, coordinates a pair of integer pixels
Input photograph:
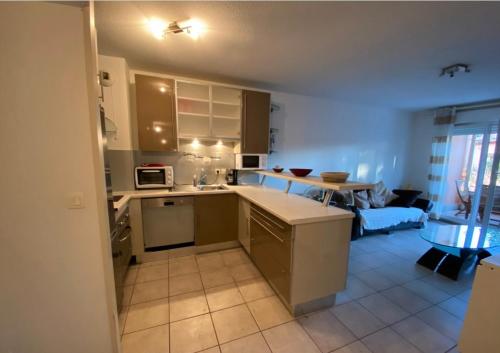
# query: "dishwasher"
{"type": "Point", "coordinates": [168, 222]}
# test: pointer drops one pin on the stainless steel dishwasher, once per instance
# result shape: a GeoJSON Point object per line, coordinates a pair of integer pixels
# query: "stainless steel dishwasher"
{"type": "Point", "coordinates": [168, 222]}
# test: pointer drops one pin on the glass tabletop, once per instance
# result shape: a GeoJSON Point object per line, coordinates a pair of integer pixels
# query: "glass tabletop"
{"type": "Point", "coordinates": [454, 236]}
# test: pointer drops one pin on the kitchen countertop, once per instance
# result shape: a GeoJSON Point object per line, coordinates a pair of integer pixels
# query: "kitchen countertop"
{"type": "Point", "coordinates": [291, 208]}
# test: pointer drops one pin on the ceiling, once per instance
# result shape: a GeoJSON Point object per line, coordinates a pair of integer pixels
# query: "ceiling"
{"type": "Point", "coordinates": [377, 53]}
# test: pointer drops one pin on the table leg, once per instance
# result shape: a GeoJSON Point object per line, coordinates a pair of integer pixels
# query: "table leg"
{"type": "Point", "coordinates": [482, 254]}
{"type": "Point", "coordinates": [431, 258]}
{"type": "Point", "coordinates": [451, 265]}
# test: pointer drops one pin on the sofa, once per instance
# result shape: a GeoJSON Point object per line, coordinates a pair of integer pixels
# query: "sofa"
{"type": "Point", "coordinates": [405, 210]}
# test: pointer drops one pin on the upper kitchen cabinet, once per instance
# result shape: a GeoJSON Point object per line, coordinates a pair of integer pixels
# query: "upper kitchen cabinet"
{"type": "Point", "coordinates": [255, 122]}
{"type": "Point", "coordinates": [208, 111]}
{"type": "Point", "coordinates": [156, 113]}
{"type": "Point", "coordinates": [116, 103]}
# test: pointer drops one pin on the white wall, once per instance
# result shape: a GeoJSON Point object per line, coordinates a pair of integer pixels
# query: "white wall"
{"type": "Point", "coordinates": [53, 269]}
{"type": "Point", "coordinates": [370, 143]}
{"type": "Point", "coordinates": [422, 126]}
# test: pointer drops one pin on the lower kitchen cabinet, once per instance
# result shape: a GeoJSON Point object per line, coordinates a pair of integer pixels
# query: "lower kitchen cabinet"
{"type": "Point", "coordinates": [306, 264]}
{"type": "Point", "coordinates": [216, 218]}
{"type": "Point", "coordinates": [244, 224]}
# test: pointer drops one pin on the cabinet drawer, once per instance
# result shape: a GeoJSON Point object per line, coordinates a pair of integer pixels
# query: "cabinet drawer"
{"type": "Point", "coordinates": [272, 223]}
{"type": "Point", "coordinates": [271, 257]}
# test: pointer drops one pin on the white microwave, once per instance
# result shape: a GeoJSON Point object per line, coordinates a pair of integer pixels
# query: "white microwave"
{"type": "Point", "coordinates": [154, 177]}
{"type": "Point", "coordinates": [250, 161]}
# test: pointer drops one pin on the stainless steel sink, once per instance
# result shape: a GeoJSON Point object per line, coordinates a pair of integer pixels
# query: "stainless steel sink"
{"type": "Point", "coordinates": [211, 187]}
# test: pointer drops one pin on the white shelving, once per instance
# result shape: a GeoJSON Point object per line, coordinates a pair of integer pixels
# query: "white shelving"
{"type": "Point", "coordinates": [207, 111]}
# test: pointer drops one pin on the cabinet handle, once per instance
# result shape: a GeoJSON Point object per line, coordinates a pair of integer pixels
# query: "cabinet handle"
{"type": "Point", "coordinates": [267, 229]}
{"type": "Point", "coordinates": [269, 219]}
{"type": "Point", "coordinates": [243, 135]}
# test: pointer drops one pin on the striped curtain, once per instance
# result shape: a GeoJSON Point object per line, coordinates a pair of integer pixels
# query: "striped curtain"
{"type": "Point", "coordinates": [443, 122]}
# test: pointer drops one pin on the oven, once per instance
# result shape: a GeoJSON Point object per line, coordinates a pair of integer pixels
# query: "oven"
{"type": "Point", "coordinates": [154, 177]}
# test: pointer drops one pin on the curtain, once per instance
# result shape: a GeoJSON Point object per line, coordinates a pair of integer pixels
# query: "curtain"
{"type": "Point", "coordinates": [438, 162]}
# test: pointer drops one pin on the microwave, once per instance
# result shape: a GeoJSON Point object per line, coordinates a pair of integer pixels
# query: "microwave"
{"type": "Point", "coordinates": [154, 177]}
{"type": "Point", "coordinates": [250, 161]}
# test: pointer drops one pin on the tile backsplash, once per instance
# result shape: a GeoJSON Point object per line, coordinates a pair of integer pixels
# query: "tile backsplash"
{"type": "Point", "coordinates": [193, 158]}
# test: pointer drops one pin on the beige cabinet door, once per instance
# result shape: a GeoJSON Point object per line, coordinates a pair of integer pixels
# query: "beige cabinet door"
{"type": "Point", "coordinates": [216, 218]}
{"type": "Point", "coordinates": [244, 223]}
{"type": "Point", "coordinates": [156, 118]}
{"type": "Point", "coordinates": [255, 122]}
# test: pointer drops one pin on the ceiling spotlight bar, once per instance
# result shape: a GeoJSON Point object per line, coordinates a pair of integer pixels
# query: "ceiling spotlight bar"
{"type": "Point", "coordinates": [453, 69]}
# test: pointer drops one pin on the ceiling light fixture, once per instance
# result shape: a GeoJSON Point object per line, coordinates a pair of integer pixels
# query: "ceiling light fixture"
{"type": "Point", "coordinates": [160, 29]}
{"type": "Point", "coordinates": [453, 69]}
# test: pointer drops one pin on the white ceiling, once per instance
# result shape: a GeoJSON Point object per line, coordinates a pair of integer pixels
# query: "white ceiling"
{"type": "Point", "coordinates": [388, 54]}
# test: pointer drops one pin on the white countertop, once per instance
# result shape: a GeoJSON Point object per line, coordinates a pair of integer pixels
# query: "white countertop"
{"type": "Point", "coordinates": [293, 209]}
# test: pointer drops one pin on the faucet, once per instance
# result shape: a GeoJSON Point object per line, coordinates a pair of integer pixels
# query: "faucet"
{"type": "Point", "coordinates": [201, 180]}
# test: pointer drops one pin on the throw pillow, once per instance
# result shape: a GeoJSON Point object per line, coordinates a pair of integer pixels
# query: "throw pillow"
{"type": "Point", "coordinates": [380, 196]}
{"type": "Point", "coordinates": [406, 198]}
{"type": "Point", "coordinates": [361, 200]}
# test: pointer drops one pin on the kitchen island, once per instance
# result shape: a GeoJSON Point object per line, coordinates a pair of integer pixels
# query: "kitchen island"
{"type": "Point", "coordinates": [298, 245]}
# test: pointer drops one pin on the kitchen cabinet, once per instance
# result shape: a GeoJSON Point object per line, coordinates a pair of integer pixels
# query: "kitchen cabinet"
{"type": "Point", "coordinates": [156, 116]}
{"type": "Point", "coordinates": [255, 122]}
{"type": "Point", "coordinates": [216, 218]}
{"type": "Point", "coordinates": [116, 103]}
{"type": "Point", "coordinates": [306, 264]}
{"type": "Point", "coordinates": [271, 249]}
{"type": "Point", "coordinates": [208, 111]}
{"type": "Point", "coordinates": [244, 224]}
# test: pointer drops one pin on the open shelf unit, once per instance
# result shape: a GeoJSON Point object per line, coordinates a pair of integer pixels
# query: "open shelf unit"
{"type": "Point", "coordinates": [207, 110]}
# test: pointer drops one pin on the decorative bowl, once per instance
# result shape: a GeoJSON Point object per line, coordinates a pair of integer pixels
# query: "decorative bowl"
{"type": "Point", "coordinates": [300, 172]}
{"type": "Point", "coordinates": [278, 170]}
{"type": "Point", "coordinates": [334, 177]}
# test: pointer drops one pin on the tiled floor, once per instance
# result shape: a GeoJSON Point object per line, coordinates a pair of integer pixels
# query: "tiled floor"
{"type": "Point", "coordinates": [219, 302]}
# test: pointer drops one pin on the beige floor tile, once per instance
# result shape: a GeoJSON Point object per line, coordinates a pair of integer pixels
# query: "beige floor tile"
{"type": "Point", "coordinates": [446, 323]}
{"type": "Point", "coordinates": [154, 263]}
{"type": "Point", "coordinates": [355, 347]}
{"type": "Point", "coordinates": [223, 297]}
{"type": "Point", "coordinates": [183, 266]}
{"type": "Point", "coordinates": [244, 271]}
{"type": "Point", "coordinates": [357, 319]}
{"type": "Point", "coordinates": [250, 344]}
{"type": "Point", "coordinates": [235, 257]}
{"type": "Point", "coordinates": [153, 340]}
{"type": "Point", "coordinates": [255, 288]}
{"type": "Point", "coordinates": [152, 273]}
{"type": "Point", "coordinates": [147, 291]}
{"type": "Point", "coordinates": [289, 338]}
{"type": "Point", "coordinates": [122, 317]}
{"type": "Point", "coordinates": [269, 312]}
{"type": "Point", "coordinates": [185, 284]}
{"type": "Point", "coordinates": [188, 305]}
{"type": "Point", "coordinates": [383, 308]}
{"type": "Point", "coordinates": [388, 341]}
{"type": "Point", "coordinates": [233, 323]}
{"type": "Point", "coordinates": [146, 315]}
{"type": "Point", "coordinates": [211, 350]}
{"type": "Point", "coordinates": [326, 331]}
{"type": "Point", "coordinates": [455, 307]}
{"type": "Point", "coordinates": [127, 294]}
{"type": "Point", "coordinates": [216, 278]}
{"type": "Point", "coordinates": [210, 261]}
{"type": "Point", "coordinates": [423, 336]}
{"type": "Point", "coordinates": [192, 335]}
{"type": "Point", "coordinates": [131, 276]}
{"type": "Point", "coordinates": [406, 299]}
{"type": "Point", "coordinates": [182, 258]}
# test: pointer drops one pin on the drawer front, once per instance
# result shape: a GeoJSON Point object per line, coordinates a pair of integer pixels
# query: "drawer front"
{"type": "Point", "coordinates": [273, 223]}
{"type": "Point", "coordinates": [271, 257]}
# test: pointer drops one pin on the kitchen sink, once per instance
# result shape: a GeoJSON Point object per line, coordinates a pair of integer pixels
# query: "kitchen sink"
{"type": "Point", "coordinates": [211, 187]}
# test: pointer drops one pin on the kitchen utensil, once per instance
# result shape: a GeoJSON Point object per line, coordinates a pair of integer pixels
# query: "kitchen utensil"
{"type": "Point", "coordinates": [300, 172]}
{"type": "Point", "coordinates": [334, 177]}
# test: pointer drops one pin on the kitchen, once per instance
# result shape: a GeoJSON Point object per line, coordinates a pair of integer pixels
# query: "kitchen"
{"type": "Point", "coordinates": [185, 156]}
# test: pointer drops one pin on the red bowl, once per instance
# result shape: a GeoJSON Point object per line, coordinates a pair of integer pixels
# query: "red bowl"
{"type": "Point", "coordinates": [300, 172]}
{"type": "Point", "coordinates": [278, 170]}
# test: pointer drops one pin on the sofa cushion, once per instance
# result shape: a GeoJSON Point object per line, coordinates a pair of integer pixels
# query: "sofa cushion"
{"type": "Point", "coordinates": [361, 200]}
{"type": "Point", "coordinates": [406, 198]}
{"type": "Point", "coordinates": [380, 218]}
{"type": "Point", "coordinates": [380, 196]}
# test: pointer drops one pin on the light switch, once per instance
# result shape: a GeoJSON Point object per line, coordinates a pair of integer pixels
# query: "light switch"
{"type": "Point", "coordinates": [75, 200]}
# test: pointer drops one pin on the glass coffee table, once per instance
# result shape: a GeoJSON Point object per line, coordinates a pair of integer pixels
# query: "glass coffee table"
{"type": "Point", "coordinates": [450, 247]}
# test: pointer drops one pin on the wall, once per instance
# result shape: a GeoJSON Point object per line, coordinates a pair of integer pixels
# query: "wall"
{"type": "Point", "coordinates": [422, 127]}
{"type": "Point", "coordinates": [368, 142]}
{"type": "Point", "coordinates": [54, 296]}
